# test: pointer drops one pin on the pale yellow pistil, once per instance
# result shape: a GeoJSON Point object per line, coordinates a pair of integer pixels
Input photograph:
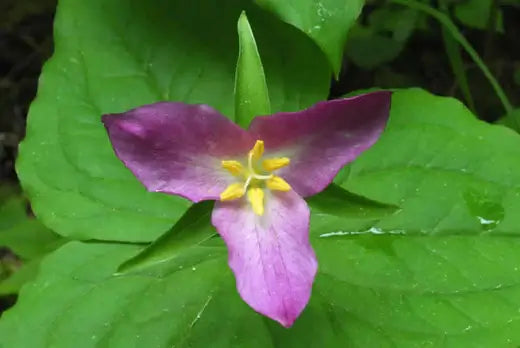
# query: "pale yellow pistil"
{"type": "Point", "coordinates": [255, 180]}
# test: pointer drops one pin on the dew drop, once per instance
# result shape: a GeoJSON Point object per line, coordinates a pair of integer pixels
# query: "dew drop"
{"type": "Point", "coordinates": [486, 211]}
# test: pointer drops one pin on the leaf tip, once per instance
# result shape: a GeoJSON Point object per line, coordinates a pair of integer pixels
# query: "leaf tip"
{"type": "Point", "coordinates": [244, 28]}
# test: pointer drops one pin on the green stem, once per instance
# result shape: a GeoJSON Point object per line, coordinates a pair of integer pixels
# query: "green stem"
{"type": "Point", "coordinates": [454, 31]}
{"type": "Point", "coordinates": [455, 57]}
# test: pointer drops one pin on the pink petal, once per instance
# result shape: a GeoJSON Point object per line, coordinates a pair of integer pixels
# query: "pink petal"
{"type": "Point", "coordinates": [322, 139]}
{"type": "Point", "coordinates": [270, 255]}
{"type": "Point", "coordinates": [177, 148]}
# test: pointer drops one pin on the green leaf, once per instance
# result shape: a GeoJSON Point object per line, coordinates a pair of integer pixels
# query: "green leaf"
{"type": "Point", "coordinates": [475, 14]}
{"type": "Point", "coordinates": [30, 239]}
{"type": "Point", "coordinates": [383, 39]}
{"type": "Point", "coordinates": [449, 172]}
{"type": "Point", "coordinates": [336, 201]}
{"type": "Point", "coordinates": [371, 291]}
{"type": "Point", "coordinates": [24, 236]}
{"type": "Point", "coordinates": [336, 209]}
{"type": "Point", "coordinates": [327, 22]}
{"type": "Point", "coordinates": [251, 95]}
{"type": "Point", "coordinates": [400, 22]}
{"type": "Point", "coordinates": [368, 49]}
{"type": "Point", "coordinates": [14, 282]}
{"type": "Point", "coordinates": [402, 291]}
{"type": "Point", "coordinates": [138, 53]}
{"type": "Point", "coordinates": [191, 230]}
{"type": "Point", "coordinates": [12, 210]}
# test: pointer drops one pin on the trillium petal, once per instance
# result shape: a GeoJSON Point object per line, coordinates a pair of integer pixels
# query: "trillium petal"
{"type": "Point", "coordinates": [177, 148]}
{"type": "Point", "coordinates": [322, 139]}
{"type": "Point", "coordinates": [270, 255]}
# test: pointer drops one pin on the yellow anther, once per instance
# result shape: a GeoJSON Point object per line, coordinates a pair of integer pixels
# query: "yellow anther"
{"type": "Point", "coordinates": [233, 191]}
{"type": "Point", "coordinates": [277, 184]}
{"type": "Point", "coordinates": [255, 178]}
{"type": "Point", "coordinates": [258, 150]}
{"type": "Point", "coordinates": [234, 167]}
{"type": "Point", "coordinates": [255, 196]}
{"type": "Point", "coordinates": [275, 163]}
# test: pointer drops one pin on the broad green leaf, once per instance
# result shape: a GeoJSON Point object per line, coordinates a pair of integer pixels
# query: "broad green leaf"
{"type": "Point", "coordinates": [403, 291]}
{"type": "Point", "coordinates": [371, 291]}
{"type": "Point", "coordinates": [449, 172]}
{"type": "Point", "coordinates": [327, 22]}
{"type": "Point", "coordinates": [114, 55]}
{"type": "Point", "coordinates": [251, 94]}
{"type": "Point", "coordinates": [190, 231]}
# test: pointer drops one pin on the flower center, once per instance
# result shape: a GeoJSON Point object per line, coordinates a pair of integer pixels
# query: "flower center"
{"type": "Point", "coordinates": [252, 174]}
{"type": "Point", "coordinates": [255, 177]}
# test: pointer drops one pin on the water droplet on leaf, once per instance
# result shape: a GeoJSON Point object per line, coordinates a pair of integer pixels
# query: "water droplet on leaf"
{"type": "Point", "coordinates": [486, 211]}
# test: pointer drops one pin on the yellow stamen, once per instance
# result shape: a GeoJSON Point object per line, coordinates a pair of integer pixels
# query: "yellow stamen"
{"type": "Point", "coordinates": [233, 191]}
{"type": "Point", "coordinates": [254, 178]}
{"type": "Point", "coordinates": [258, 150]}
{"type": "Point", "coordinates": [275, 163]}
{"type": "Point", "coordinates": [277, 184]}
{"type": "Point", "coordinates": [255, 196]}
{"type": "Point", "coordinates": [234, 167]}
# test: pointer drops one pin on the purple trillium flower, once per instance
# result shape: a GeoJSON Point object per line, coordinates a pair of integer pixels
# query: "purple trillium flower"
{"type": "Point", "coordinates": [258, 177]}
